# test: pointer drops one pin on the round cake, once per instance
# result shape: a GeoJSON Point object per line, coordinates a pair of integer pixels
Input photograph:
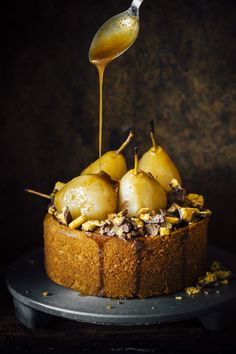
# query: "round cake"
{"type": "Point", "coordinates": [143, 266]}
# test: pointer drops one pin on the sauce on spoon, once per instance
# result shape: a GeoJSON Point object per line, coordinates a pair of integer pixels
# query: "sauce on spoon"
{"type": "Point", "coordinates": [112, 39]}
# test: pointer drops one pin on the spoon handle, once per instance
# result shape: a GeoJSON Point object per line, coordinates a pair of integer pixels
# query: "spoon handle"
{"type": "Point", "coordinates": [135, 7]}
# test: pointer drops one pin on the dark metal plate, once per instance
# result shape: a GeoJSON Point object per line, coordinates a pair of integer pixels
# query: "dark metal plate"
{"type": "Point", "coordinates": [27, 280]}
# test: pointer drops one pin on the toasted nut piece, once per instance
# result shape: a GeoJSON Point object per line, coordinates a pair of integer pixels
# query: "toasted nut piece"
{"type": "Point", "coordinates": [138, 222]}
{"type": "Point", "coordinates": [208, 278]}
{"type": "Point", "coordinates": [186, 214]}
{"type": "Point", "coordinates": [167, 224]}
{"type": "Point", "coordinates": [172, 219]}
{"type": "Point", "coordinates": [203, 213]}
{"type": "Point", "coordinates": [152, 229]}
{"type": "Point", "coordinates": [116, 230]}
{"type": "Point", "coordinates": [173, 208]}
{"type": "Point", "coordinates": [52, 209]}
{"type": "Point", "coordinates": [174, 184]}
{"type": "Point", "coordinates": [164, 231]}
{"type": "Point", "coordinates": [222, 274]}
{"type": "Point", "coordinates": [195, 200]}
{"type": "Point", "coordinates": [193, 290]}
{"type": "Point", "coordinates": [145, 217]}
{"type": "Point", "coordinates": [64, 217]}
{"type": "Point", "coordinates": [90, 225]}
{"type": "Point", "coordinates": [77, 222]}
{"type": "Point", "coordinates": [118, 220]}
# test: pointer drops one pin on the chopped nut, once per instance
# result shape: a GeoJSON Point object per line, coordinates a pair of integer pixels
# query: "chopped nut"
{"type": "Point", "coordinates": [118, 220]}
{"type": "Point", "coordinates": [109, 307]}
{"type": "Point", "coordinates": [77, 222]}
{"type": "Point", "coordinates": [172, 219]}
{"type": "Point", "coordinates": [157, 219]}
{"type": "Point", "coordinates": [145, 217]}
{"type": "Point", "coordinates": [195, 200]}
{"type": "Point", "coordinates": [91, 225]}
{"type": "Point", "coordinates": [152, 229]}
{"type": "Point", "coordinates": [45, 293]}
{"type": "Point", "coordinates": [193, 290]}
{"type": "Point", "coordinates": [64, 217]}
{"type": "Point", "coordinates": [52, 209]}
{"type": "Point", "coordinates": [126, 227]}
{"type": "Point", "coordinates": [222, 274]}
{"type": "Point", "coordinates": [174, 184]}
{"type": "Point", "coordinates": [186, 214]}
{"type": "Point", "coordinates": [176, 196]}
{"type": "Point", "coordinates": [203, 213]}
{"type": "Point", "coordinates": [164, 231]}
{"type": "Point", "coordinates": [208, 278]}
{"type": "Point", "coordinates": [138, 223]}
{"type": "Point", "coordinates": [173, 208]}
{"type": "Point", "coordinates": [167, 224]}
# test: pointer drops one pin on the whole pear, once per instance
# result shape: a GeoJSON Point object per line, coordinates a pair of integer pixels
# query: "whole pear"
{"type": "Point", "coordinates": [157, 161]}
{"type": "Point", "coordinates": [93, 196]}
{"type": "Point", "coordinates": [112, 162]}
{"type": "Point", "coordinates": [140, 190]}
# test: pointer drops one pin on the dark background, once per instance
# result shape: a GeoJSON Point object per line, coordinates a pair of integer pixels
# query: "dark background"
{"type": "Point", "coordinates": [181, 71]}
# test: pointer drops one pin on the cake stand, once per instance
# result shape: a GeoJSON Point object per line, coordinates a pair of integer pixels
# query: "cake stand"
{"type": "Point", "coordinates": [37, 300]}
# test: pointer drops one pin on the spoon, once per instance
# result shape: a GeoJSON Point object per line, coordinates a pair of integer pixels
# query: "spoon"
{"type": "Point", "coordinates": [116, 35]}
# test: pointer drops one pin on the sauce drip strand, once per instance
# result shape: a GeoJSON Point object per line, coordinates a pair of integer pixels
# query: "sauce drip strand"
{"type": "Point", "coordinates": [113, 38]}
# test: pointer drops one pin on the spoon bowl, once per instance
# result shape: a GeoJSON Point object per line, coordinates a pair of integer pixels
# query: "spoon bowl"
{"type": "Point", "coordinates": [116, 35]}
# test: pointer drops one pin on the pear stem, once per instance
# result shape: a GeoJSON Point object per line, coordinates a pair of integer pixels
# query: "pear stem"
{"type": "Point", "coordinates": [38, 193]}
{"type": "Point", "coordinates": [151, 124]}
{"type": "Point", "coordinates": [126, 142]}
{"type": "Point", "coordinates": [136, 160]}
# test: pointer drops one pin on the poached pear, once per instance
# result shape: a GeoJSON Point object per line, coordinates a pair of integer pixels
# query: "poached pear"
{"type": "Point", "coordinates": [157, 161]}
{"type": "Point", "coordinates": [93, 196]}
{"type": "Point", "coordinates": [139, 189]}
{"type": "Point", "coordinates": [112, 162]}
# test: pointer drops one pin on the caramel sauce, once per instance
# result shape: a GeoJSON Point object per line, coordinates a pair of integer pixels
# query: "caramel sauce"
{"type": "Point", "coordinates": [111, 40]}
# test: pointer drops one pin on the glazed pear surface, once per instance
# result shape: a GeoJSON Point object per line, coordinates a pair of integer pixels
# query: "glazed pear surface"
{"type": "Point", "coordinates": [92, 195]}
{"type": "Point", "coordinates": [112, 162]}
{"type": "Point", "coordinates": [159, 164]}
{"type": "Point", "coordinates": [140, 190]}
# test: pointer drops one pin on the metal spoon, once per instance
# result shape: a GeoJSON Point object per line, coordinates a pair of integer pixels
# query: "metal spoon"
{"type": "Point", "coordinates": [116, 35]}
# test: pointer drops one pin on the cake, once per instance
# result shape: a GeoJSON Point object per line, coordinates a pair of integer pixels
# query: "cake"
{"type": "Point", "coordinates": [125, 257]}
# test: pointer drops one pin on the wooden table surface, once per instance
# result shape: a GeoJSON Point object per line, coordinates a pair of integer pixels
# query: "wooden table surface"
{"type": "Point", "coordinates": [67, 336]}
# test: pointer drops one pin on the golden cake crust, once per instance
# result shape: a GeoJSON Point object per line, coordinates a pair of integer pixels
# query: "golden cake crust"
{"type": "Point", "coordinates": [100, 265]}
